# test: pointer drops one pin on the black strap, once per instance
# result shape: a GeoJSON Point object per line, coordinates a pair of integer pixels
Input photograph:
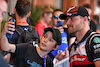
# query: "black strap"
{"type": "Point", "coordinates": [88, 48]}
{"type": "Point", "coordinates": [32, 29]}
{"type": "Point", "coordinates": [89, 39]}
{"type": "Point", "coordinates": [70, 47]}
{"type": "Point", "coordinates": [19, 30]}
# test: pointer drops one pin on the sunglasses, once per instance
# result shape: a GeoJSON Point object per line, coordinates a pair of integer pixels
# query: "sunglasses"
{"type": "Point", "coordinates": [56, 17]}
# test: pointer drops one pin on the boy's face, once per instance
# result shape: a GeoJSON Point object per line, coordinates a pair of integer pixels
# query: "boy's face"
{"type": "Point", "coordinates": [3, 9]}
{"type": "Point", "coordinates": [47, 42]}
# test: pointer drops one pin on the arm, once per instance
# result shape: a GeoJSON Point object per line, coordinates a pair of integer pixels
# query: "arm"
{"type": "Point", "coordinates": [4, 41]}
{"type": "Point", "coordinates": [97, 63]}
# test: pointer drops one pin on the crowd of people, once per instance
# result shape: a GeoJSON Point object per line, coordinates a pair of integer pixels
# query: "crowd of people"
{"type": "Point", "coordinates": [79, 39]}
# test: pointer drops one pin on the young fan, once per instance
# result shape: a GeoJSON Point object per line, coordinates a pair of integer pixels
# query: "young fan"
{"type": "Point", "coordinates": [27, 55]}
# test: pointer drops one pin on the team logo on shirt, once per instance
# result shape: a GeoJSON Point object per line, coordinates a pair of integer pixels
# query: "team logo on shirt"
{"type": "Point", "coordinates": [76, 58]}
{"type": "Point", "coordinates": [33, 64]}
{"type": "Point", "coordinates": [64, 40]}
{"type": "Point", "coordinates": [96, 40]}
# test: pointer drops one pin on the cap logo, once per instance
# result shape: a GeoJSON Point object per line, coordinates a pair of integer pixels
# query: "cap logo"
{"type": "Point", "coordinates": [69, 14]}
{"type": "Point", "coordinates": [70, 9]}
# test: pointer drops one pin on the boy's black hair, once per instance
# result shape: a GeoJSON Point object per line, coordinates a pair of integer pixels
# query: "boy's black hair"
{"type": "Point", "coordinates": [56, 35]}
{"type": "Point", "coordinates": [23, 7]}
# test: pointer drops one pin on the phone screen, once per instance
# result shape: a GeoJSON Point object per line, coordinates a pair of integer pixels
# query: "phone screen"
{"type": "Point", "coordinates": [59, 23]}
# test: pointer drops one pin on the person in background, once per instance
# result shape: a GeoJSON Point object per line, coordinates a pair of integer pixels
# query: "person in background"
{"type": "Point", "coordinates": [44, 21]}
{"type": "Point", "coordinates": [89, 9]}
{"type": "Point", "coordinates": [64, 45]}
{"type": "Point", "coordinates": [3, 4]}
{"type": "Point", "coordinates": [85, 51]}
{"type": "Point", "coordinates": [28, 55]}
{"type": "Point", "coordinates": [3, 11]}
{"type": "Point", "coordinates": [96, 20]}
{"type": "Point", "coordinates": [21, 11]}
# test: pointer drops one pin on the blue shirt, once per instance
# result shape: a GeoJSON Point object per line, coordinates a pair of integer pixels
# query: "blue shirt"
{"type": "Point", "coordinates": [63, 46]}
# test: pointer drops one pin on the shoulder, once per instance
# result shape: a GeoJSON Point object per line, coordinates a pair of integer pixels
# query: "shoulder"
{"type": "Point", "coordinates": [94, 38]}
{"type": "Point", "coordinates": [93, 41]}
{"type": "Point", "coordinates": [23, 46]}
{"type": "Point", "coordinates": [39, 23]}
{"type": "Point", "coordinates": [93, 47]}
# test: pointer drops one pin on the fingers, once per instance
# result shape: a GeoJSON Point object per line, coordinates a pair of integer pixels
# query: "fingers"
{"type": "Point", "coordinates": [62, 55]}
{"type": "Point", "coordinates": [67, 53]}
{"type": "Point", "coordinates": [9, 27]}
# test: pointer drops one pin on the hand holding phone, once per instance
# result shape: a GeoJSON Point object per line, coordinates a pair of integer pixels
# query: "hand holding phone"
{"type": "Point", "coordinates": [59, 23]}
{"type": "Point", "coordinates": [10, 35]}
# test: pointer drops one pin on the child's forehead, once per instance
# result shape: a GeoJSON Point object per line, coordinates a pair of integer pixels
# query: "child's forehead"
{"type": "Point", "coordinates": [49, 33]}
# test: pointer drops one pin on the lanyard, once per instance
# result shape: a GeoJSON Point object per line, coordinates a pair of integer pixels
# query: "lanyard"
{"type": "Point", "coordinates": [44, 61]}
{"type": "Point", "coordinates": [21, 22]}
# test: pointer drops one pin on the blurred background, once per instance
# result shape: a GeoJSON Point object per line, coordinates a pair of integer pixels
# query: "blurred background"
{"type": "Point", "coordinates": [39, 5]}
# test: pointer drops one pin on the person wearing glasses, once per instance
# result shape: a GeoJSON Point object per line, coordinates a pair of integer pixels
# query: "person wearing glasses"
{"type": "Point", "coordinates": [58, 24]}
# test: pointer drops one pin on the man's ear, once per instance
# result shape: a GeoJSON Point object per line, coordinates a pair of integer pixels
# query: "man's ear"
{"type": "Point", "coordinates": [85, 18]}
{"type": "Point", "coordinates": [55, 48]}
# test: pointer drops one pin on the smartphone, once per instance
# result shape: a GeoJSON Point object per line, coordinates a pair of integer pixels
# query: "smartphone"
{"type": "Point", "coordinates": [59, 23]}
{"type": "Point", "coordinates": [10, 35]}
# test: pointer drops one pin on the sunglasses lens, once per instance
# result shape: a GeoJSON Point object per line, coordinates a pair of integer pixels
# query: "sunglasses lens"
{"type": "Point", "coordinates": [56, 17]}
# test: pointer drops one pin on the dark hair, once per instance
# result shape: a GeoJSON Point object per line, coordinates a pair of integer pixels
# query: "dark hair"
{"type": "Point", "coordinates": [87, 6]}
{"type": "Point", "coordinates": [57, 10]}
{"type": "Point", "coordinates": [23, 7]}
